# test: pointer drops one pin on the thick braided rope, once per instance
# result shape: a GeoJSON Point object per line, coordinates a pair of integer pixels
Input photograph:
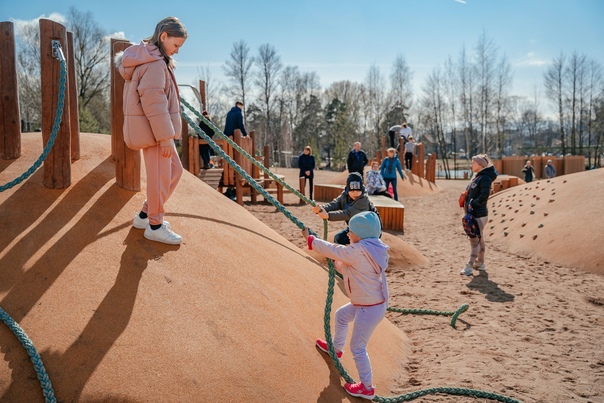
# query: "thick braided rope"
{"type": "Point", "coordinates": [47, 390]}
{"type": "Point", "coordinates": [53, 135]}
{"type": "Point", "coordinates": [331, 286]}
{"type": "Point", "coordinates": [418, 311]}
{"type": "Point", "coordinates": [244, 153]}
{"type": "Point", "coordinates": [244, 174]}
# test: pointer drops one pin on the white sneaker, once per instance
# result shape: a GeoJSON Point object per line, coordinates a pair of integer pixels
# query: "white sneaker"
{"type": "Point", "coordinates": [467, 271]}
{"type": "Point", "coordinates": [141, 223]}
{"type": "Point", "coordinates": [480, 267]}
{"type": "Point", "coordinates": [162, 234]}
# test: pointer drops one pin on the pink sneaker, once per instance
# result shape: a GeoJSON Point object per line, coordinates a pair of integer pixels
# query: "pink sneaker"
{"type": "Point", "coordinates": [322, 344]}
{"type": "Point", "coordinates": [359, 390]}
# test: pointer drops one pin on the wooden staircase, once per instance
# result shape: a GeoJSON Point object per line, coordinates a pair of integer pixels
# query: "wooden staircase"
{"type": "Point", "coordinates": [211, 176]}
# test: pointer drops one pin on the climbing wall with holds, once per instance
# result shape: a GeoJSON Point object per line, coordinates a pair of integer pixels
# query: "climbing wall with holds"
{"type": "Point", "coordinates": [556, 219]}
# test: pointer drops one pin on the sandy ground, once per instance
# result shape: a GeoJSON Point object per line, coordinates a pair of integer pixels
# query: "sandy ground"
{"type": "Point", "coordinates": [534, 330]}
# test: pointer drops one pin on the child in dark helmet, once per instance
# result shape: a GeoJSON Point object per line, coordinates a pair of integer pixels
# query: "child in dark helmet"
{"type": "Point", "coordinates": [351, 202]}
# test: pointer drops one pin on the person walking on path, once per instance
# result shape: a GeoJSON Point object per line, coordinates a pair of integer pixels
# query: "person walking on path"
{"type": "Point", "coordinates": [357, 159]}
{"type": "Point", "coordinates": [363, 266]}
{"type": "Point", "coordinates": [409, 153]}
{"type": "Point", "coordinates": [306, 163]}
{"type": "Point", "coordinates": [550, 170]}
{"type": "Point", "coordinates": [374, 183]}
{"type": "Point", "coordinates": [204, 149]}
{"type": "Point", "coordinates": [528, 171]}
{"type": "Point", "coordinates": [234, 120]}
{"type": "Point", "coordinates": [152, 120]}
{"type": "Point", "coordinates": [388, 169]}
{"type": "Point", "coordinates": [477, 194]}
{"type": "Point", "coordinates": [352, 201]}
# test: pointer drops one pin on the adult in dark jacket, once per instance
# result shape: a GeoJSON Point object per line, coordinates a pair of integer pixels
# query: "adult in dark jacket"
{"type": "Point", "coordinates": [234, 120]}
{"type": "Point", "coordinates": [529, 172]}
{"type": "Point", "coordinates": [352, 201]}
{"type": "Point", "coordinates": [478, 192]}
{"type": "Point", "coordinates": [204, 149]}
{"type": "Point", "coordinates": [306, 163]}
{"type": "Point", "coordinates": [357, 159]}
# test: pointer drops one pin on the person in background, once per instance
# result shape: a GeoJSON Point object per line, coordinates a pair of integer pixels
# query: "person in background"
{"type": "Point", "coordinates": [306, 163]}
{"type": "Point", "coordinates": [152, 121]}
{"type": "Point", "coordinates": [388, 169]}
{"type": "Point", "coordinates": [352, 201]}
{"type": "Point", "coordinates": [406, 132]}
{"type": "Point", "coordinates": [374, 183]}
{"type": "Point", "coordinates": [204, 149]}
{"type": "Point", "coordinates": [234, 120]}
{"type": "Point", "coordinates": [478, 192]}
{"type": "Point", "coordinates": [528, 171]}
{"type": "Point", "coordinates": [550, 170]}
{"type": "Point", "coordinates": [394, 133]}
{"type": "Point", "coordinates": [363, 266]}
{"type": "Point", "coordinates": [357, 159]}
{"type": "Point", "coordinates": [409, 153]}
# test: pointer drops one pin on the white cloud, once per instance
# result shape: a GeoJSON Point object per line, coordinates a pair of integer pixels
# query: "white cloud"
{"type": "Point", "coordinates": [461, 1]}
{"type": "Point", "coordinates": [19, 24]}
{"type": "Point", "coordinates": [531, 59]}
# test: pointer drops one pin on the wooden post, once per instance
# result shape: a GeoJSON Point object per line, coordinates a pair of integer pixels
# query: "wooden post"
{"type": "Point", "coordinates": [127, 161]}
{"type": "Point", "coordinates": [10, 119]}
{"type": "Point", "coordinates": [238, 179]}
{"type": "Point", "coordinates": [418, 161]}
{"type": "Point", "coordinates": [202, 93]}
{"type": "Point", "coordinates": [57, 166]}
{"type": "Point", "coordinates": [255, 169]}
{"type": "Point", "coordinates": [267, 163]}
{"type": "Point", "coordinates": [74, 113]}
{"type": "Point", "coordinates": [184, 144]}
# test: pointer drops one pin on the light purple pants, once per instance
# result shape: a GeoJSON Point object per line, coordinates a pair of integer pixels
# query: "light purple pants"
{"type": "Point", "coordinates": [477, 244]}
{"type": "Point", "coordinates": [366, 319]}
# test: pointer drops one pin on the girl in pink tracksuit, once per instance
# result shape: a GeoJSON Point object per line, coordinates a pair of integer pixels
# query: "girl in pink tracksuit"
{"type": "Point", "coordinates": [152, 120]}
{"type": "Point", "coordinates": [363, 265]}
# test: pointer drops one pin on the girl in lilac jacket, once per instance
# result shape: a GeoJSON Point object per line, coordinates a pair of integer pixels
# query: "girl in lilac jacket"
{"type": "Point", "coordinates": [363, 265]}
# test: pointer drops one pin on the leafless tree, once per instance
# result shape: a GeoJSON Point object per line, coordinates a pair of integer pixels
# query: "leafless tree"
{"type": "Point", "coordinates": [400, 83]}
{"type": "Point", "coordinates": [379, 102]}
{"type": "Point", "coordinates": [503, 81]}
{"type": "Point", "coordinates": [91, 54]}
{"type": "Point", "coordinates": [467, 85]}
{"type": "Point", "coordinates": [268, 65]}
{"type": "Point", "coordinates": [216, 104]}
{"type": "Point", "coordinates": [554, 89]}
{"type": "Point", "coordinates": [486, 55]}
{"type": "Point", "coordinates": [433, 112]}
{"type": "Point", "coordinates": [28, 73]}
{"type": "Point", "coordinates": [574, 73]}
{"type": "Point", "coordinates": [595, 90]}
{"type": "Point", "coordinates": [238, 70]}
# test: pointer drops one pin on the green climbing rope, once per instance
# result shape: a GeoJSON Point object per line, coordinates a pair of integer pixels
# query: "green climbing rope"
{"type": "Point", "coordinates": [332, 272]}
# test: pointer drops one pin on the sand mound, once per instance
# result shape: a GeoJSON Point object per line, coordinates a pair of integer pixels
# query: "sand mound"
{"type": "Point", "coordinates": [557, 220]}
{"type": "Point", "coordinates": [235, 309]}
{"type": "Point", "coordinates": [413, 185]}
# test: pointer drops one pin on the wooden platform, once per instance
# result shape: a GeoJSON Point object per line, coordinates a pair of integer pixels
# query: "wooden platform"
{"type": "Point", "coordinates": [391, 212]}
{"type": "Point", "coordinates": [327, 193]}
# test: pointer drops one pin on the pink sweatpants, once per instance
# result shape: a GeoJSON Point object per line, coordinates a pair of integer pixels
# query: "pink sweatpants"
{"type": "Point", "coordinates": [163, 175]}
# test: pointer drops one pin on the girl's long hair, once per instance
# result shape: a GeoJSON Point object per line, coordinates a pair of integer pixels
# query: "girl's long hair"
{"type": "Point", "coordinates": [171, 26]}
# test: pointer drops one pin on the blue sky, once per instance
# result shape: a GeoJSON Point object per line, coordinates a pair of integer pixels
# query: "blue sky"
{"type": "Point", "coordinates": [342, 39]}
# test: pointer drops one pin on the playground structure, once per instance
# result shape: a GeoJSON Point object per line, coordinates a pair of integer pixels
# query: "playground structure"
{"type": "Point", "coordinates": [65, 150]}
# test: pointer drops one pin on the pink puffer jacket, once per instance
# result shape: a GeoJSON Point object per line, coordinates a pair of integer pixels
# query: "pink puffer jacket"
{"type": "Point", "coordinates": [151, 98]}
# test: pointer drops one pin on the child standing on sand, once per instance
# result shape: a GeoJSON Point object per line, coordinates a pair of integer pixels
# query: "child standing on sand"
{"type": "Point", "coordinates": [363, 265]}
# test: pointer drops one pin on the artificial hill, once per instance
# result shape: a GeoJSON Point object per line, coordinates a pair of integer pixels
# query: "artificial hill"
{"type": "Point", "coordinates": [231, 314]}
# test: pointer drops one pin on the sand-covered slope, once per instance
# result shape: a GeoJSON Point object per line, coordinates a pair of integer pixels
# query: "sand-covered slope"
{"type": "Point", "coordinates": [413, 185]}
{"type": "Point", "coordinates": [229, 315]}
{"type": "Point", "coordinates": [557, 220]}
